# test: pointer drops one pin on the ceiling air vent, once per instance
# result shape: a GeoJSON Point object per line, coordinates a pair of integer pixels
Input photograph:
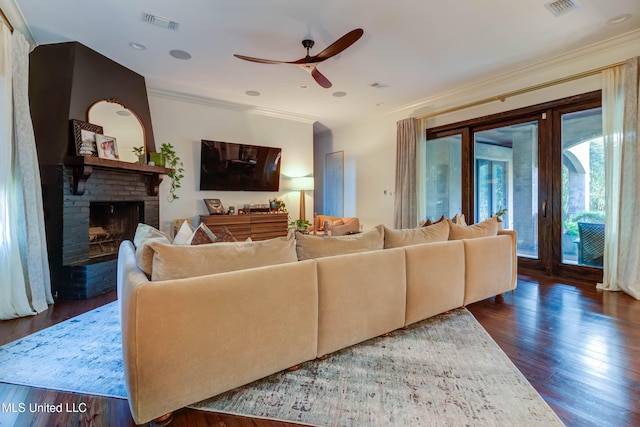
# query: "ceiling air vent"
{"type": "Point", "coordinates": [560, 7]}
{"type": "Point", "coordinates": [160, 21]}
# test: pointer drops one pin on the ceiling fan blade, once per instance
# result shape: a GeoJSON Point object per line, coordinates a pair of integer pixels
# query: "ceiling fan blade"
{"type": "Point", "coordinates": [320, 78]}
{"type": "Point", "coordinates": [262, 61]}
{"type": "Point", "coordinates": [341, 44]}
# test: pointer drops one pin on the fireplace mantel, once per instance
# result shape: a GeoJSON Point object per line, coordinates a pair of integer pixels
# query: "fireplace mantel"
{"type": "Point", "coordinates": [83, 167]}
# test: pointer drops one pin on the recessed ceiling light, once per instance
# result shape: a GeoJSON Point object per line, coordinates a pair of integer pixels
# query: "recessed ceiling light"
{"type": "Point", "coordinates": [123, 113]}
{"type": "Point", "coordinates": [380, 104]}
{"type": "Point", "coordinates": [339, 94]}
{"type": "Point", "coordinates": [619, 19]}
{"type": "Point", "coordinates": [137, 46]}
{"type": "Point", "coordinates": [303, 86]}
{"type": "Point", "coordinates": [379, 85]}
{"type": "Point", "coordinates": [180, 54]}
{"type": "Point", "coordinates": [252, 93]}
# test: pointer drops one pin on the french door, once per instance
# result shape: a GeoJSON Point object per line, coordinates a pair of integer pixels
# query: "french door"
{"type": "Point", "coordinates": [544, 164]}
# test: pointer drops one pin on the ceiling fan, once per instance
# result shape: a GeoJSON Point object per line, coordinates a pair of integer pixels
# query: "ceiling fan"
{"type": "Point", "coordinates": [309, 63]}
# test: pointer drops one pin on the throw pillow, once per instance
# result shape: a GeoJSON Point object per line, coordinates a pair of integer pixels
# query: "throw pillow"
{"type": "Point", "coordinates": [485, 228]}
{"type": "Point", "coordinates": [145, 231]}
{"type": "Point", "coordinates": [184, 234]}
{"type": "Point", "coordinates": [224, 235]}
{"type": "Point", "coordinates": [459, 219]}
{"type": "Point", "coordinates": [202, 235]}
{"type": "Point", "coordinates": [144, 235]}
{"type": "Point", "coordinates": [437, 232]}
{"type": "Point", "coordinates": [309, 247]}
{"type": "Point", "coordinates": [179, 262]}
{"type": "Point", "coordinates": [428, 222]}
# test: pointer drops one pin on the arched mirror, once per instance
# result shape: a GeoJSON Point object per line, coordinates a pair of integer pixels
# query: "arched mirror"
{"type": "Point", "coordinates": [120, 123]}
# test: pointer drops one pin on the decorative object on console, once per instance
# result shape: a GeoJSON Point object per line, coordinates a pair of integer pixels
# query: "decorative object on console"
{"type": "Point", "coordinates": [303, 183]}
{"type": "Point", "coordinates": [84, 137]}
{"type": "Point", "coordinates": [214, 206]}
{"type": "Point", "coordinates": [277, 205]}
{"type": "Point", "coordinates": [107, 147]}
{"type": "Point", "coordinates": [176, 173]}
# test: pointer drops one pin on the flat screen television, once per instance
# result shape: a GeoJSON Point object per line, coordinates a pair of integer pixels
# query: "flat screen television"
{"type": "Point", "coordinates": [227, 166]}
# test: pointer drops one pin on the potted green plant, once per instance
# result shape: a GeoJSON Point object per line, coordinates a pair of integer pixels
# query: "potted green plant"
{"type": "Point", "coordinates": [301, 225]}
{"type": "Point", "coordinates": [139, 152]}
{"type": "Point", "coordinates": [172, 161]}
{"type": "Point", "coordinates": [499, 214]}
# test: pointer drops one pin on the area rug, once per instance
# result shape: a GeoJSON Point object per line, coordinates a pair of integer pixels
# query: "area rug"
{"type": "Point", "coordinates": [446, 370]}
{"type": "Point", "coordinates": [82, 354]}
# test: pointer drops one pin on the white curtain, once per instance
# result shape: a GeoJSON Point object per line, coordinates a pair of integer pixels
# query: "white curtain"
{"type": "Point", "coordinates": [14, 301]}
{"type": "Point", "coordinates": [25, 287]}
{"type": "Point", "coordinates": [405, 207]}
{"type": "Point", "coordinates": [620, 96]}
{"type": "Point", "coordinates": [31, 232]}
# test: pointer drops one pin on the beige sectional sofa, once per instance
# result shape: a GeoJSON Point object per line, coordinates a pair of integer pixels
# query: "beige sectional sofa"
{"type": "Point", "coordinates": [187, 339]}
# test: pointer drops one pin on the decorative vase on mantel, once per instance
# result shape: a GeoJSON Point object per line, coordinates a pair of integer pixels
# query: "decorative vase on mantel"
{"type": "Point", "coordinates": [157, 159]}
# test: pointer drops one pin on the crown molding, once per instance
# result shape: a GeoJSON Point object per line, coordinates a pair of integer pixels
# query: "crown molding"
{"type": "Point", "coordinates": [600, 54]}
{"type": "Point", "coordinates": [15, 16]}
{"type": "Point", "coordinates": [233, 106]}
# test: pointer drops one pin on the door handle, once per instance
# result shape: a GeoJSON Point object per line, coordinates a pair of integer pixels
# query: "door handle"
{"type": "Point", "coordinates": [544, 209]}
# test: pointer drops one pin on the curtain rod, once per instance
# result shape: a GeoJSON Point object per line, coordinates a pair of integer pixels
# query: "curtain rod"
{"type": "Point", "coordinates": [6, 20]}
{"type": "Point", "coordinates": [506, 95]}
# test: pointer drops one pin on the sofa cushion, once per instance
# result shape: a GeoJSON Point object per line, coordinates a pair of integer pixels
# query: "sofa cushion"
{"type": "Point", "coordinates": [309, 247]}
{"type": "Point", "coordinates": [224, 235]}
{"type": "Point", "coordinates": [178, 262]}
{"type": "Point", "coordinates": [438, 232]}
{"type": "Point", "coordinates": [486, 228]}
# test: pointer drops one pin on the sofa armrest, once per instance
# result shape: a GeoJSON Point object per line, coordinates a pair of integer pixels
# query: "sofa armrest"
{"type": "Point", "coordinates": [514, 256]}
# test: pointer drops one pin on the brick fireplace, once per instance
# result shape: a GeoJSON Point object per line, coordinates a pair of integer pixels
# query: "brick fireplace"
{"type": "Point", "coordinates": [90, 204]}
{"type": "Point", "coordinates": [96, 222]}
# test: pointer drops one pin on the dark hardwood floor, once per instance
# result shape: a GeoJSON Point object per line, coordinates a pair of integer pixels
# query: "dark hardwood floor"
{"type": "Point", "coordinates": [579, 347]}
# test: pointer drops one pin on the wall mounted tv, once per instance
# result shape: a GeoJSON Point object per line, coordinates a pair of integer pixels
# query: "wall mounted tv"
{"type": "Point", "coordinates": [226, 166]}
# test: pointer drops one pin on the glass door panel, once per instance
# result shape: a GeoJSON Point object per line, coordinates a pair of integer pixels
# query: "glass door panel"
{"type": "Point", "coordinates": [582, 190]}
{"type": "Point", "coordinates": [443, 185]}
{"type": "Point", "coordinates": [506, 176]}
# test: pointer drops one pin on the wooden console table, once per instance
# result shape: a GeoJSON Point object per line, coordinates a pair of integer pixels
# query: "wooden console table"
{"type": "Point", "coordinates": [258, 226]}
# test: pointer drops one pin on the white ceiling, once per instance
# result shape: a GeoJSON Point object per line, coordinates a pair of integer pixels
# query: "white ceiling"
{"type": "Point", "coordinates": [416, 48]}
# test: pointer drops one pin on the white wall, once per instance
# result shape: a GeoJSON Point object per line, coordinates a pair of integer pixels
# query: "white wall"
{"type": "Point", "coordinates": [369, 145]}
{"type": "Point", "coordinates": [185, 122]}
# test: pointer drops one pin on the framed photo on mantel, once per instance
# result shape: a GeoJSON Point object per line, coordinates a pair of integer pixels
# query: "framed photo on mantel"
{"type": "Point", "coordinates": [214, 206]}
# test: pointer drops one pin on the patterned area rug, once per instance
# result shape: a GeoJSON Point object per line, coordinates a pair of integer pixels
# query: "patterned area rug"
{"type": "Point", "coordinates": [82, 354]}
{"type": "Point", "coordinates": [443, 371]}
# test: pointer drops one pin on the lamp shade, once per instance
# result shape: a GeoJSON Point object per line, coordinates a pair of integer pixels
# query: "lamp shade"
{"type": "Point", "coordinates": [302, 183]}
